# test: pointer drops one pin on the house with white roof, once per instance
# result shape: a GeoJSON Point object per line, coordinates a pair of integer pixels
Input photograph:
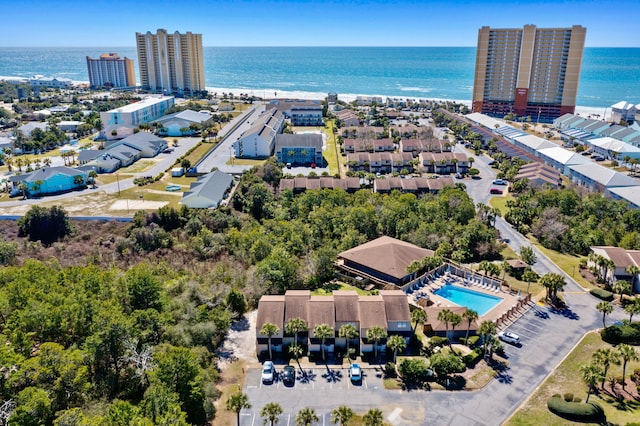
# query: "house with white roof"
{"type": "Point", "coordinates": [609, 147]}
{"type": "Point", "coordinates": [630, 194]}
{"type": "Point", "coordinates": [136, 113]}
{"type": "Point", "coordinates": [567, 121]}
{"type": "Point", "coordinates": [486, 121]}
{"type": "Point", "coordinates": [599, 178]}
{"type": "Point", "coordinates": [532, 143]}
{"type": "Point", "coordinates": [208, 191]}
{"type": "Point", "coordinates": [173, 124]}
{"type": "Point", "coordinates": [561, 159]}
{"type": "Point", "coordinates": [623, 111]}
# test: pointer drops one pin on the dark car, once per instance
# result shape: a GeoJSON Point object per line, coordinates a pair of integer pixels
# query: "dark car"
{"type": "Point", "coordinates": [289, 375]}
{"type": "Point", "coordinates": [495, 191]}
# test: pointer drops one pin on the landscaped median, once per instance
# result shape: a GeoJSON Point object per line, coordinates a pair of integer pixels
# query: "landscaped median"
{"type": "Point", "coordinates": [567, 379]}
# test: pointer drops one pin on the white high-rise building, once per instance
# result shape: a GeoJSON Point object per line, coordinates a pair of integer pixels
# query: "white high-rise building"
{"type": "Point", "coordinates": [111, 70]}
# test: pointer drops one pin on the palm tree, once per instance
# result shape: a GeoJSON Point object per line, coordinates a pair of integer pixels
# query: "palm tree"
{"type": "Point", "coordinates": [323, 331]}
{"type": "Point", "coordinates": [632, 308]}
{"type": "Point", "coordinates": [37, 185]}
{"type": "Point", "coordinates": [591, 374]}
{"type": "Point", "coordinates": [605, 358]}
{"type": "Point", "coordinates": [236, 403]}
{"type": "Point", "coordinates": [375, 334]}
{"type": "Point", "coordinates": [270, 413]}
{"type": "Point", "coordinates": [418, 316]}
{"type": "Point", "coordinates": [306, 417]}
{"type": "Point", "coordinates": [529, 276]}
{"type": "Point", "coordinates": [627, 353]}
{"type": "Point", "coordinates": [621, 287]}
{"type": "Point", "coordinates": [348, 332]}
{"type": "Point", "coordinates": [342, 415]}
{"type": "Point", "coordinates": [92, 175]}
{"type": "Point", "coordinates": [23, 187]}
{"type": "Point", "coordinates": [78, 180]}
{"type": "Point", "coordinates": [296, 351]}
{"type": "Point", "coordinates": [606, 308]}
{"type": "Point", "coordinates": [487, 330]}
{"type": "Point", "coordinates": [553, 283]}
{"type": "Point", "coordinates": [373, 417]}
{"type": "Point", "coordinates": [396, 343]}
{"type": "Point", "coordinates": [633, 270]}
{"type": "Point", "coordinates": [269, 329]}
{"type": "Point", "coordinates": [455, 321]}
{"type": "Point", "coordinates": [295, 326]}
{"type": "Point", "coordinates": [445, 316]}
{"type": "Point", "coordinates": [470, 315]}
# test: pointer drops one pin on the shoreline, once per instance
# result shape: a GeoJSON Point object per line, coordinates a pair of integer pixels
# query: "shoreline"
{"type": "Point", "coordinates": [265, 93]}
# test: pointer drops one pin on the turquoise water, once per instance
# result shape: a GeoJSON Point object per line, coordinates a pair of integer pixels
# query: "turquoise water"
{"type": "Point", "coordinates": [609, 75]}
{"type": "Point", "coordinates": [479, 302]}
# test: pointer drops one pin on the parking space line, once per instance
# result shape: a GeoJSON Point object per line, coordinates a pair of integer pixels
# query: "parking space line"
{"type": "Point", "coordinates": [253, 421]}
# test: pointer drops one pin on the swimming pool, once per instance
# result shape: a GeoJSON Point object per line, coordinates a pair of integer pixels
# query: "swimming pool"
{"type": "Point", "coordinates": [479, 302]}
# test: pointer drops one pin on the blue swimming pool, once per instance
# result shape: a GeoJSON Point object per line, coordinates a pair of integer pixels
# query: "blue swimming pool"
{"type": "Point", "coordinates": [479, 302]}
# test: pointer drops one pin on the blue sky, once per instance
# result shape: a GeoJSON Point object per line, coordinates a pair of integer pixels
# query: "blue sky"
{"type": "Point", "coordinates": [307, 22]}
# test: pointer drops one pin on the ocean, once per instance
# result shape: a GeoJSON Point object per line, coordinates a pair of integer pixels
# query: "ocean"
{"type": "Point", "coordinates": [609, 75]}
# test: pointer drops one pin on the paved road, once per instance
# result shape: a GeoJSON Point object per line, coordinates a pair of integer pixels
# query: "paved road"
{"type": "Point", "coordinates": [223, 151]}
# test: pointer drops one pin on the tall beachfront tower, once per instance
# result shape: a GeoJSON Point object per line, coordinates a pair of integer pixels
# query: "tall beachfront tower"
{"type": "Point", "coordinates": [171, 63]}
{"type": "Point", "coordinates": [111, 70]}
{"type": "Point", "coordinates": [528, 71]}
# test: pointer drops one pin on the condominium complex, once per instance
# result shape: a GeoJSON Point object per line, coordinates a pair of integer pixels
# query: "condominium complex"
{"type": "Point", "coordinates": [134, 114]}
{"type": "Point", "coordinates": [111, 70]}
{"type": "Point", "coordinates": [528, 71]}
{"type": "Point", "coordinates": [171, 63]}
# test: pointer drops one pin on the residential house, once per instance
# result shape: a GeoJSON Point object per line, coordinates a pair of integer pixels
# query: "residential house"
{"type": "Point", "coordinates": [385, 162]}
{"type": "Point", "coordinates": [608, 147]}
{"type": "Point", "coordinates": [180, 123]}
{"type": "Point", "coordinates": [630, 194]}
{"type": "Point", "coordinates": [348, 118]}
{"type": "Point", "coordinates": [623, 111]}
{"type": "Point", "coordinates": [419, 185]}
{"type": "Point", "coordinates": [532, 144]}
{"type": "Point", "coordinates": [397, 313]}
{"type": "Point", "coordinates": [115, 131]}
{"type": "Point", "coordinates": [50, 180]}
{"type": "Point", "coordinates": [259, 140]}
{"type": "Point", "coordinates": [270, 311]}
{"type": "Point", "coordinates": [538, 174]}
{"type": "Point", "coordinates": [297, 149]}
{"type": "Point", "coordinates": [296, 306]}
{"type": "Point", "coordinates": [363, 132]}
{"type": "Point", "coordinates": [622, 260]}
{"type": "Point", "coordinates": [27, 128]}
{"type": "Point", "coordinates": [368, 145]}
{"type": "Point", "coordinates": [208, 191]}
{"type": "Point", "coordinates": [372, 314]}
{"type": "Point", "coordinates": [347, 307]}
{"type": "Point", "coordinates": [321, 311]}
{"type": "Point", "coordinates": [444, 162]}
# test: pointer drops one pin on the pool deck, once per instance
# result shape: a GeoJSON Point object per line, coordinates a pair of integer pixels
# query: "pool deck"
{"type": "Point", "coordinates": [504, 313]}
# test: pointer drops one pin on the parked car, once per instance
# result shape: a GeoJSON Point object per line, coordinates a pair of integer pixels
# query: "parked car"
{"type": "Point", "coordinates": [509, 337]}
{"type": "Point", "coordinates": [268, 372]}
{"type": "Point", "coordinates": [499, 182]}
{"type": "Point", "coordinates": [167, 150]}
{"type": "Point", "coordinates": [495, 191]}
{"type": "Point", "coordinates": [355, 372]}
{"type": "Point", "coordinates": [289, 375]}
{"type": "Point", "coordinates": [288, 165]}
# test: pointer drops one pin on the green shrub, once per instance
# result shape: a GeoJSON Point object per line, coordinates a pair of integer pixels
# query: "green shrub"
{"type": "Point", "coordinates": [390, 369]}
{"type": "Point", "coordinates": [568, 397]}
{"type": "Point", "coordinates": [472, 341]}
{"type": "Point", "coordinates": [438, 341]}
{"type": "Point", "coordinates": [628, 333]}
{"type": "Point", "coordinates": [577, 399]}
{"type": "Point", "coordinates": [472, 357]}
{"type": "Point", "coordinates": [602, 294]}
{"type": "Point", "coordinates": [576, 411]}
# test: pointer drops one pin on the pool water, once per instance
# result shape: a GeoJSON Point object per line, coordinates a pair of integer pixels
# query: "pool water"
{"type": "Point", "coordinates": [479, 302]}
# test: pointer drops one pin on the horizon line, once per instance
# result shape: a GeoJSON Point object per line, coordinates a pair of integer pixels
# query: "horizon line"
{"type": "Point", "coordinates": [297, 46]}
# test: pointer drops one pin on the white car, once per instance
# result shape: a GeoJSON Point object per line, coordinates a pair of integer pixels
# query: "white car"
{"type": "Point", "coordinates": [509, 337]}
{"type": "Point", "coordinates": [268, 372]}
{"type": "Point", "coordinates": [499, 182]}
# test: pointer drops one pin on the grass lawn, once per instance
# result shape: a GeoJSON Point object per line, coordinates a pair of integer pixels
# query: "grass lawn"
{"type": "Point", "coordinates": [331, 153]}
{"type": "Point", "coordinates": [329, 288]}
{"type": "Point", "coordinates": [110, 178]}
{"type": "Point", "coordinates": [199, 152]}
{"type": "Point", "coordinates": [138, 167]}
{"type": "Point", "coordinates": [231, 380]}
{"type": "Point", "coordinates": [568, 263]}
{"type": "Point", "coordinates": [567, 378]}
{"type": "Point", "coordinates": [246, 162]}
{"type": "Point", "coordinates": [500, 203]}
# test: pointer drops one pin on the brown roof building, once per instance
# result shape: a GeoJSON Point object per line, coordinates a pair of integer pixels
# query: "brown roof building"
{"type": "Point", "coordinates": [383, 260]}
{"type": "Point", "coordinates": [623, 259]}
{"type": "Point", "coordinates": [389, 310]}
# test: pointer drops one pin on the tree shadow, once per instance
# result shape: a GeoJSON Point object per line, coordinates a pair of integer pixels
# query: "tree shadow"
{"type": "Point", "coordinates": [541, 314]}
{"type": "Point", "coordinates": [565, 312]}
{"type": "Point", "coordinates": [502, 372]}
{"type": "Point", "coordinates": [332, 376]}
{"type": "Point", "coordinates": [307, 376]}
{"type": "Point", "coordinates": [241, 324]}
